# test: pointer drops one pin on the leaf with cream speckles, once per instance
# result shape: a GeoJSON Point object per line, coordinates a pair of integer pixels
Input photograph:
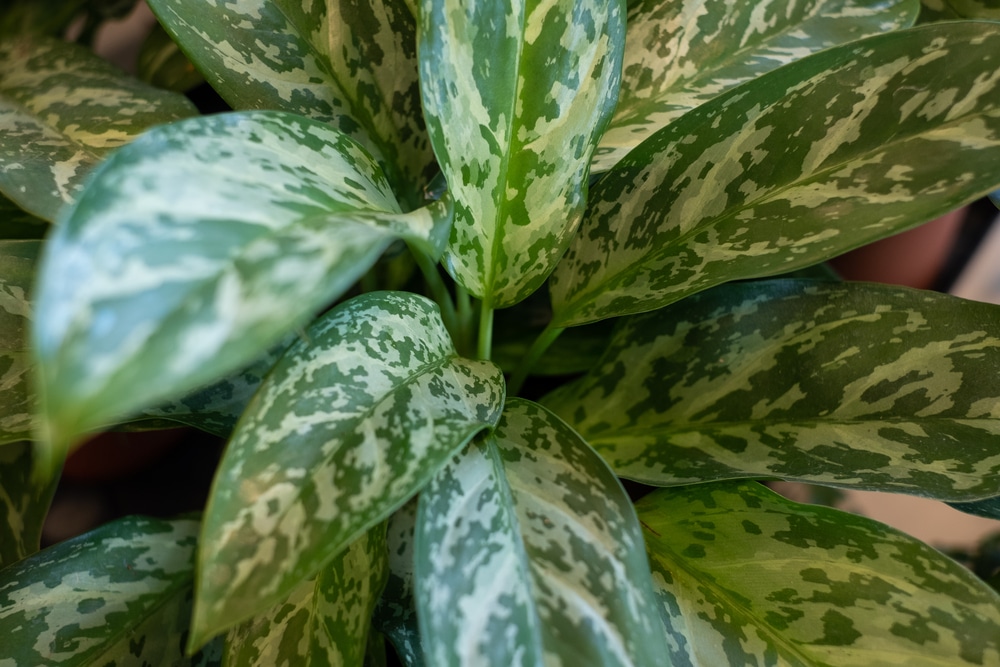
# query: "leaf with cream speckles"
{"type": "Point", "coordinates": [351, 423]}
{"type": "Point", "coordinates": [680, 54]}
{"type": "Point", "coordinates": [325, 621]}
{"type": "Point", "coordinates": [193, 250]}
{"type": "Point", "coordinates": [17, 269]}
{"type": "Point", "coordinates": [396, 613]}
{"type": "Point", "coordinates": [24, 503]}
{"type": "Point", "coordinates": [757, 182]}
{"type": "Point", "coordinates": [62, 110]}
{"type": "Point", "coordinates": [528, 552]}
{"type": "Point", "coordinates": [516, 95]}
{"type": "Point", "coordinates": [841, 384]}
{"type": "Point", "coordinates": [746, 577]}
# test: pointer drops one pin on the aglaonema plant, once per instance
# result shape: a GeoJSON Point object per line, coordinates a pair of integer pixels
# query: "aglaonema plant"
{"type": "Point", "coordinates": [448, 272]}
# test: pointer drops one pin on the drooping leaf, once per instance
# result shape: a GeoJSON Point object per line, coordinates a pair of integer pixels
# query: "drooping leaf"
{"type": "Point", "coordinates": [746, 577]}
{"type": "Point", "coordinates": [24, 502]}
{"type": "Point", "coordinates": [757, 182]}
{"type": "Point", "coordinates": [193, 251]}
{"type": "Point", "coordinates": [841, 384]}
{"type": "Point", "coordinates": [516, 95]}
{"type": "Point", "coordinates": [62, 110]}
{"type": "Point", "coordinates": [350, 424]}
{"type": "Point", "coordinates": [528, 553]}
{"type": "Point", "coordinates": [17, 268]}
{"type": "Point", "coordinates": [325, 622]}
{"type": "Point", "coordinates": [352, 64]}
{"type": "Point", "coordinates": [118, 595]}
{"type": "Point", "coordinates": [680, 54]}
{"type": "Point", "coordinates": [396, 612]}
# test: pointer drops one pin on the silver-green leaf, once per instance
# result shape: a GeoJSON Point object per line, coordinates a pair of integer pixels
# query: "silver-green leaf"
{"type": "Point", "coordinates": [396, 613]}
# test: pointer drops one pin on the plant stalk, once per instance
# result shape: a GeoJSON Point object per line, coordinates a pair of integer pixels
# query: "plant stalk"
{"type": "Point", "coordinates": [535, 352]}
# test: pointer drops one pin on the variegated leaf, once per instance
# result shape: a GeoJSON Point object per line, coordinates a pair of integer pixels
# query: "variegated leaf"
{"type": "Point", "coordinates": [950, 10]}
{"type": "Point", "coordinates": [161, 63]}
{"type": "Point", "coordinates": [841, 384]}
{"type": "Point", "coordinates": [680, 54]}
{"type": "Point", "coordinates": [516, 95]}
{"type": "Point", "coordinates": [987, 507]}
{"type": "Point", "coordinates": [62, 110]}
{"type": "Point", "coordinates": [746, 577]}
{"type": "Point", "coordinates": [349, 63]}
{"type": "Point", "coordinates": [325, 621]}
{"type": "Point", "coordinates": [758, 182]}
{"type": "Point", "coordinates": [528, 553]}
{"type": "Point", "coordinates": [17, 269]}
{"type": "Point", "coordinates": [396, 612]}
{"type": "Point", "coordinates": [24, 502]}
{"type": "Point", "coordinates": [195, 249]}
{"type": "Point", "coordinates": [118, 595]}
{"type": "Point", "coordinates": [350, 424]}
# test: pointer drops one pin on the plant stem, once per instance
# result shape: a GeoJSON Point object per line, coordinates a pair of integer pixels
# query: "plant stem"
{"type": "Point", "coordinates": [466, 322]}
{"type": "Point", "coordinates": [535, 352]}
{"type": "Point", "coordinates": [485, 347]}
{"type": "Point", "coordinates": [439, 292]}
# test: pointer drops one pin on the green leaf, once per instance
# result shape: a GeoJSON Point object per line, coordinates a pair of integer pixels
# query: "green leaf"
{"type": "Point", "coordinates": [396, 613]}
{"type": "Point", "coordinates": [681, 54]}
{"type": "Point", "coordinates": [325, 621]}
{"type": "Point", "coordinates": [987, 507]}
{"type": "Point", "coordinates": [352, 64]}
{"type": "Point", "coordinates": [349, 425]}
{"type": "Point", "coordinates": [757, 182]}
{"type": "Point", "coordinates": [195, 249]}
{"type": "Point", "coordinates": [949, 10]}
{"type": "Point", "coordinates": [746, 577]}
{"type": "Point", "coordinates": [516, 96]}
{"type": "Point", "coordinates": [62, 110]}
{"type": "Point", "coordinates": [841, 384]}
{"type": "Point", "coordinates": [161, 63]}
{"type": "Point", "coordinates": [24, 502]}
{"type": "Point", "coordinates": [17, 269]}
{"type": "Point", "coordinates": [528, 552]}
{"type": "Point", "coordinates": [119, 594]}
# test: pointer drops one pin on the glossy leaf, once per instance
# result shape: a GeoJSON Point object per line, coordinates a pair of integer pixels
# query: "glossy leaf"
{"type": "Point", "coordinates": [352, 64]}
{"type": "Point", "coordinates": [62, 110]}
{"type": "Point", "coordinates": [840, 384]}
{"type": "Point", "coordinates": [680, 54]}
{"type": "Point", "coordinates": [396, 612]}
{"type": "Point", "coordinates": [757, 182]}
{"type": "Point", "coordinates": [120, 594]}
{"type": "Point", "coordinates": [193, 251]}
{"type": "Point", "coordinates": [746, 577]}
{"type": "Point", "coordinates": [350, 424]}
{"type": "Point", "coordinates": [17, 268]}
{"type": "Point", "coordinates": [325, 621]}
{"type": "Point", "coordinates": [528, 553]}
{"type": "Point", "coordinates": [516, 95]}
{"type": "Point", "coordinates": [24, 502]}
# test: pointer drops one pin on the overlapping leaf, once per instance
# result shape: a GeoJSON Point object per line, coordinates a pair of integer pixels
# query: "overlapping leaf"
{"type": "Point", "coordinates": [17, 268]}
{"type": "Point", "coordinates": [62, 110]}
{"type": "Point", "coordinates": [746, 577]}
{"type": "Point", "coordinates": [849, 384]}
{"type": "Point", "coordinates": [396, 613]}
{"type": "Point", "coordinates": [950, 10]}
{"type": "Point", "coordinates": [528, 553]}
{"type": "Point", "coordinates": [325, 621]}
{"type": "Point", "coordinates": [349, 63]}
{"type": "Point", "coordinates": [516, 96]}
{"type": "Point", "coordinates": [758, 182]}
{"type": "Point", "coordinates": [120, 594]}
{"type": "Point", "coordinates": [195, 249]}
{"type": "Point", "coordinates": [349, 425]}
{"type": "Point", "coordinates": [24, 502]}
{"type": "Point", "coordinates": [681, 54]}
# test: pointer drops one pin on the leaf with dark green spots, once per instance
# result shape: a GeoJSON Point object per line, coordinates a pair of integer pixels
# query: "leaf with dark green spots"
{"type": "Point", "coordinates": [62, 111]}
{"type": "Point", "coordinates": [120, 594]}
{"type": "Point", "coordinates": [841, 384]}
{"type": "Point", "coordinates": [17, 269]}
{"type": "Point", "coordinates": [516, 96]}
{"type": "Point", "coordinates": [325, 621]}
{"type": "Point", "coordinates": [746, 577]}
{"type": "Point", "coordinates": [351, 423]}
{"type": "Point", "coordinates": [194, 250]}
{"type": "Point", "coordinates": [757, 182]}
{"type": "Point", "coordinates": [681, 53]}
{"type": "Point", "coordinates": [396, 613]}
{"type": "Point", "coordinates": [528, 552]}
{"type": "Point", "coordinates": [24, 502]}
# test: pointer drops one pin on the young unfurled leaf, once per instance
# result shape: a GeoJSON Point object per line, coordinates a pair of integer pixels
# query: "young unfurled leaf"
{"type": "Point", "coordinates": [746, 577]}
{"type": "Point", "coordinates": [351, 423]}
{"type": "Point", "coordinates": [24, 502]}
{"type": "Point", "coordinates": [825, 154]}
{"type": "Point", "coordinates": [516, 94]}
{"type": "Point", "coordinates": [528, 552]}
{"type": "Point", "coordinates": [841, 384]}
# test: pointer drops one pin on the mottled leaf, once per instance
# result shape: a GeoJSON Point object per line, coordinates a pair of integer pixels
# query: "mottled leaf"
{"type": "Point", "coordinates": [350, 424]}
{"type": "Point", "coordinates": [817, 157]}
{"type": "Point", "coordinates": [396, 612]}
{"type": "Point", "coordinates": [842, 384]}
{"type": "Point", "coordinates": [680, 54]}
{"type": "Point", "coordinates": [24, 502]}
{"type": "Point", "coordinates": [194, 250]}
{"type": "Point", "coordinates": [17, 269]}
{"type": "Point", "coordinates": [746, 577]}
{"type": "Point", "coordinates": [516, 95]}
{"type": "Point", "coordinates": [325, 621]}
{"type": "Point", "coordinates": [62, 110]}
{"type": "Point", "coordinates": [528, 553]}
